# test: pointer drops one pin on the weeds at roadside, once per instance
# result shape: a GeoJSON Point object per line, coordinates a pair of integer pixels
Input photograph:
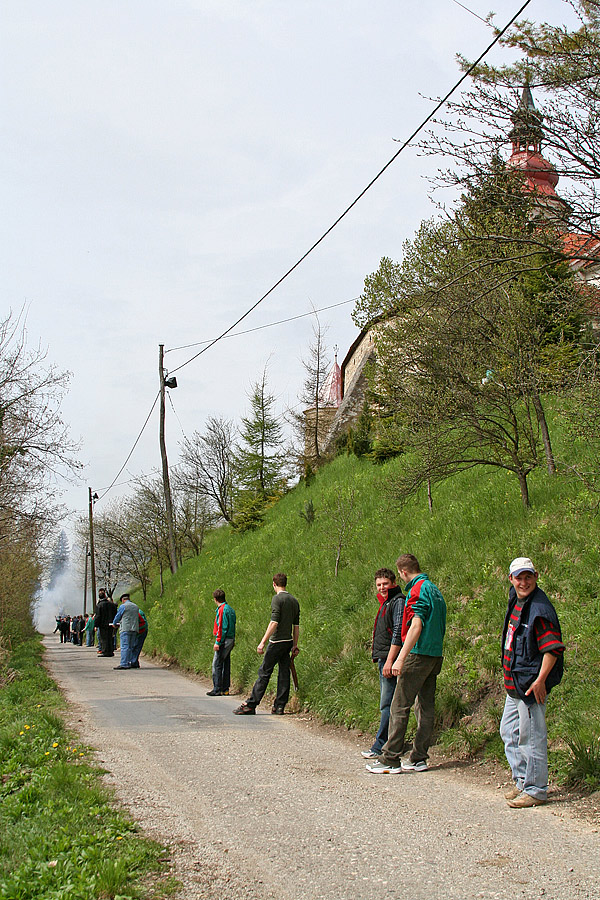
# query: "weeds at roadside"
{"type": "Point", "coordinates": [64, 838]}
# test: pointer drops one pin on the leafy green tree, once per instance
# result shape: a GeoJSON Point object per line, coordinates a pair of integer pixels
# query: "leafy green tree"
{"type": "Point", "coordinates": [475, 333]}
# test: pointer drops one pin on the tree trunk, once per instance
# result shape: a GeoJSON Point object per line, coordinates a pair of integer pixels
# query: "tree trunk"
{"type": "Point", "coordinates": [541, 417]}
{"type": "Point", "coordinates": [524, 489]}
{"type": "Point", "coordinates": [429, 496]}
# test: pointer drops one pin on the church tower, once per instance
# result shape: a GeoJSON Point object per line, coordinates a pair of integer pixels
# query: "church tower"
{"type": "Point", "coordinates": [540, 175]}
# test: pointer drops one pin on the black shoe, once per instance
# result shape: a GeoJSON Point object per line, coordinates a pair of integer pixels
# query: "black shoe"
{"type": "Point", "coordinates": [244, 710]}
{"type": "Point", "coordinates": [213, 693]}
{"type": "Point", "coordinates": [277, 710]}
{"type": "Point", "coordinates": [121, 667]}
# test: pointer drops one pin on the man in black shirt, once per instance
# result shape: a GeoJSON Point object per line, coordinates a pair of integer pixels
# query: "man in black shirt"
{"type": "Point", "coordinates": [281, 638]}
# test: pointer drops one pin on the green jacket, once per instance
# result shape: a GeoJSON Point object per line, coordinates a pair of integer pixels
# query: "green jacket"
{"type": "Point", "coordinates": [424, 599]}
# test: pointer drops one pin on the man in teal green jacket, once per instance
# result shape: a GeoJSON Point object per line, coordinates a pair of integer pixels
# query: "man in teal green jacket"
{"type": "Point", "coordinates": [416, 659]}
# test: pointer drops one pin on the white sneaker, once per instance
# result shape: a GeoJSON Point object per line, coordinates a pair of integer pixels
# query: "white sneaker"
{"type": "Point", "coordinates": [379, 768]}
{"type": "Point", "coordinates": [369, 754]}
{"type": "Point", "coordinates": [408, 766]}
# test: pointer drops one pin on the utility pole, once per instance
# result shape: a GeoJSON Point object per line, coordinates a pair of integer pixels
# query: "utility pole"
{"type": "Point", "coordinates": [85, 579]}
{"type": "Point", "coordinates": [172, 382]}
{"type": "Point", "coordinates": [92, 558]}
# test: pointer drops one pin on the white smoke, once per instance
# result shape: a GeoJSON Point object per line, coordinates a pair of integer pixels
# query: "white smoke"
{"type": "Point", "coordinates": [65, 597]}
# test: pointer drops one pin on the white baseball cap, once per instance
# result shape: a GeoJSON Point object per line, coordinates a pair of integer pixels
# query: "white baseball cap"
{"type": "Point", "coordinates": [521, 564]}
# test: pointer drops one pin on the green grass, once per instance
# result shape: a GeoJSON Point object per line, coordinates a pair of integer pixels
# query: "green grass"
{"type": "Point", "coordinates": [62, 835]}
{"type": "Point", "coordinates": [478, 525]}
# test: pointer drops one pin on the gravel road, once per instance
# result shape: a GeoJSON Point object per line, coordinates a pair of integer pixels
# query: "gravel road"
{"type": "Point", "coordinates": [267, 807]}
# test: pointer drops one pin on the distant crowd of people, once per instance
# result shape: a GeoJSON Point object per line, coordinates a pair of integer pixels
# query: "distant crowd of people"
{"type": "Point", "coordinates": [126, 620]}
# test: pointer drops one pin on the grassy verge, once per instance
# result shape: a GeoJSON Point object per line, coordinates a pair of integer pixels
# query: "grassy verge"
{"type": "Point", "coordinates": [478, 525]}
{"type": "Point", "coordinates": [62, 835]}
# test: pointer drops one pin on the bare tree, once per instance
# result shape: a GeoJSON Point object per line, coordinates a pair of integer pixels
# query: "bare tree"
{"type": "Point", "coordinates": [208, 465]}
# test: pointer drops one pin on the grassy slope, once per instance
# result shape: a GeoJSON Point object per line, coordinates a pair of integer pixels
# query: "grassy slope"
{"type": "Point", "coordinates": [477, 527]}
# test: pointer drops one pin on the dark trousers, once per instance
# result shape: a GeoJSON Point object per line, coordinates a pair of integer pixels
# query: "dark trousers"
{"type": "Point", "coordinates": [277, 654]}
{"type": "Point", "coordinates": [105, 637]}
{"type": "Point", "coordinates": [221, 666]}
{"type": "Point", "coordinates": [416, 682]}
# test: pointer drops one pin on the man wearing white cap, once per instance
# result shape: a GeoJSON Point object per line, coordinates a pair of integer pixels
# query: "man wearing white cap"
{"type": "Point", "coordinates": [532, 660]}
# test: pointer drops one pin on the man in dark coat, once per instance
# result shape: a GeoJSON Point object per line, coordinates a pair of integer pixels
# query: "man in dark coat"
{"type": "Point", "coordinates": [106, 610]}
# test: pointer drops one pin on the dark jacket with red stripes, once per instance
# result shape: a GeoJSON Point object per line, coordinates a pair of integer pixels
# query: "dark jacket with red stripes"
{"type": "Point", "coordinates": [526, 656]}
{"type": "Point", "coordinates": [388, 614]}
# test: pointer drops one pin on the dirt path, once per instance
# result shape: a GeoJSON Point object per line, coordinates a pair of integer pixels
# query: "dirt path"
{"type": "Point", "coordinates": [264, 807]}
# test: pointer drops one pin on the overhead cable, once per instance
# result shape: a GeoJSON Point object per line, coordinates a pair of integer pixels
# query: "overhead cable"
{"type": "Point", "coordinates": [268, 325]}
{"type": "Point", "coordinates": [351, 206]}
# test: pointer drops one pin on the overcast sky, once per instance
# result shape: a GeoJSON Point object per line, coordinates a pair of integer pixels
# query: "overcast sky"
{"type": "Point", "coordinates": [164, 163]}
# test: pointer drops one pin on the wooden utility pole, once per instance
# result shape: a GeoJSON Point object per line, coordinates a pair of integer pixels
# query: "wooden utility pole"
{"type": "Point", "coordinates": [92, 558]}
{"type": "Point", "coordinates": [85, 579]}
{"type": "Point", "coordinates": [165, 464]}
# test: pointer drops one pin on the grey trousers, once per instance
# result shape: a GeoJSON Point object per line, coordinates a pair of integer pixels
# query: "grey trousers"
{"type": "Point", "coordinates": [416, 684]}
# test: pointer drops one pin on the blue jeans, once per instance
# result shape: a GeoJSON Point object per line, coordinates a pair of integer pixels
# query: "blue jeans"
{"type": "Point", "coordinates": [387, 686]}
{"type": "Point", "coordinates": [523, 730]}
{"type": "Point", "coordinates": [136, 647]}
{"type": "Point", "coordinates": [128, 639]}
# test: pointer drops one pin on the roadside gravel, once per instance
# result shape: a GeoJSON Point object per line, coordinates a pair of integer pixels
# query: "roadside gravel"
{"type": "Point", "coordinates": [264, 807]}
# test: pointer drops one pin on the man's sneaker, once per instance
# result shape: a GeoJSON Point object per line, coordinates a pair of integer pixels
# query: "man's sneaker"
{"type": "Point", "coordinates": [277, 711]}
{"type": "Point", "coordinates": [225, 693]}
{"type": "Point", "coordinates": [244, 710]}
{"type": "Point", "coordinates": [511, 792]}
{"type": "Point", "coordinates": [524, 801]}
{"type": "Point", "coordinates": [213, 693]}
{"type": "Point", "coordinates": [369, 754]}
{"type": "Point", "coordinates": [379, 768]}
{"type": "Point", "coordinates": [408, 766]}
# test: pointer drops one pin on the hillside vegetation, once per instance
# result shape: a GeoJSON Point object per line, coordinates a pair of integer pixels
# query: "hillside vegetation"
{"type": "Point", "coordinates": [477, 526]}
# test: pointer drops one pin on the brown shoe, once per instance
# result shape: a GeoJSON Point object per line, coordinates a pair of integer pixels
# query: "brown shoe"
{"type": "Point", "coordinates": [524, 801]}
{"type": "Point", "coordinates": [244, 710]}
{"type": "Point", "coordinates": [511, 792]}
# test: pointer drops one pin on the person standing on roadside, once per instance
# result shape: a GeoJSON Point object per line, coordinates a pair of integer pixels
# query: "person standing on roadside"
{"type": "Point", "coordinates": [417, 666]}
{"type": "Point", "coordinates": [139, 639]}
{"type": "Point", "coordinates": [532, 662]}
{"type": "Point", "coordinates": [281, 638]}
{"type": "Point", "coordinates": [128, 620]}
{"type": "Point", "coordinates": [386, 633]}
{"type": "Point", "coordinates": [224, 633]}
{"type": "Point", "coordinates": [106, 610]}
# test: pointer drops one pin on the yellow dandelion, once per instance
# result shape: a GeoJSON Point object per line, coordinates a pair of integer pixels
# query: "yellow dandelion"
{"type": "Point", "coordinates": [27, 727]}
{"type": "Point", "coordinates": [82, 754]}
{"type": "Point", "coordinates": [39, 706]}
{"type": "Point", "coordinates": [55, 744]}
{"type": "Point", "coordinates": [47, 753]}
{"type": "Point", "coordinates": [21, 732]}
{"type": "Point", "coordinates": [119, 838]}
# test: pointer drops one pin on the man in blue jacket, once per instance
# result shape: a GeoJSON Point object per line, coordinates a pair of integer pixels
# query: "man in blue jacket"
{"type": "Point", "coordinates": [129, 620]}
{"type": "Point", "coordinates": [532, 661]}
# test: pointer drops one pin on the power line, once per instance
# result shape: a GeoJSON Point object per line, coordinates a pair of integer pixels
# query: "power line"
{"type": "Point", "coordinates": [481, 19]}
{"type": "Point", "coordinates": [351, 206]}
{"type": "Point", "coordinates": [325, 234]}
{"type": "Point", "coordinates": [268, 325]}
{"type": "Point", "coordinates": [129, 455]}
